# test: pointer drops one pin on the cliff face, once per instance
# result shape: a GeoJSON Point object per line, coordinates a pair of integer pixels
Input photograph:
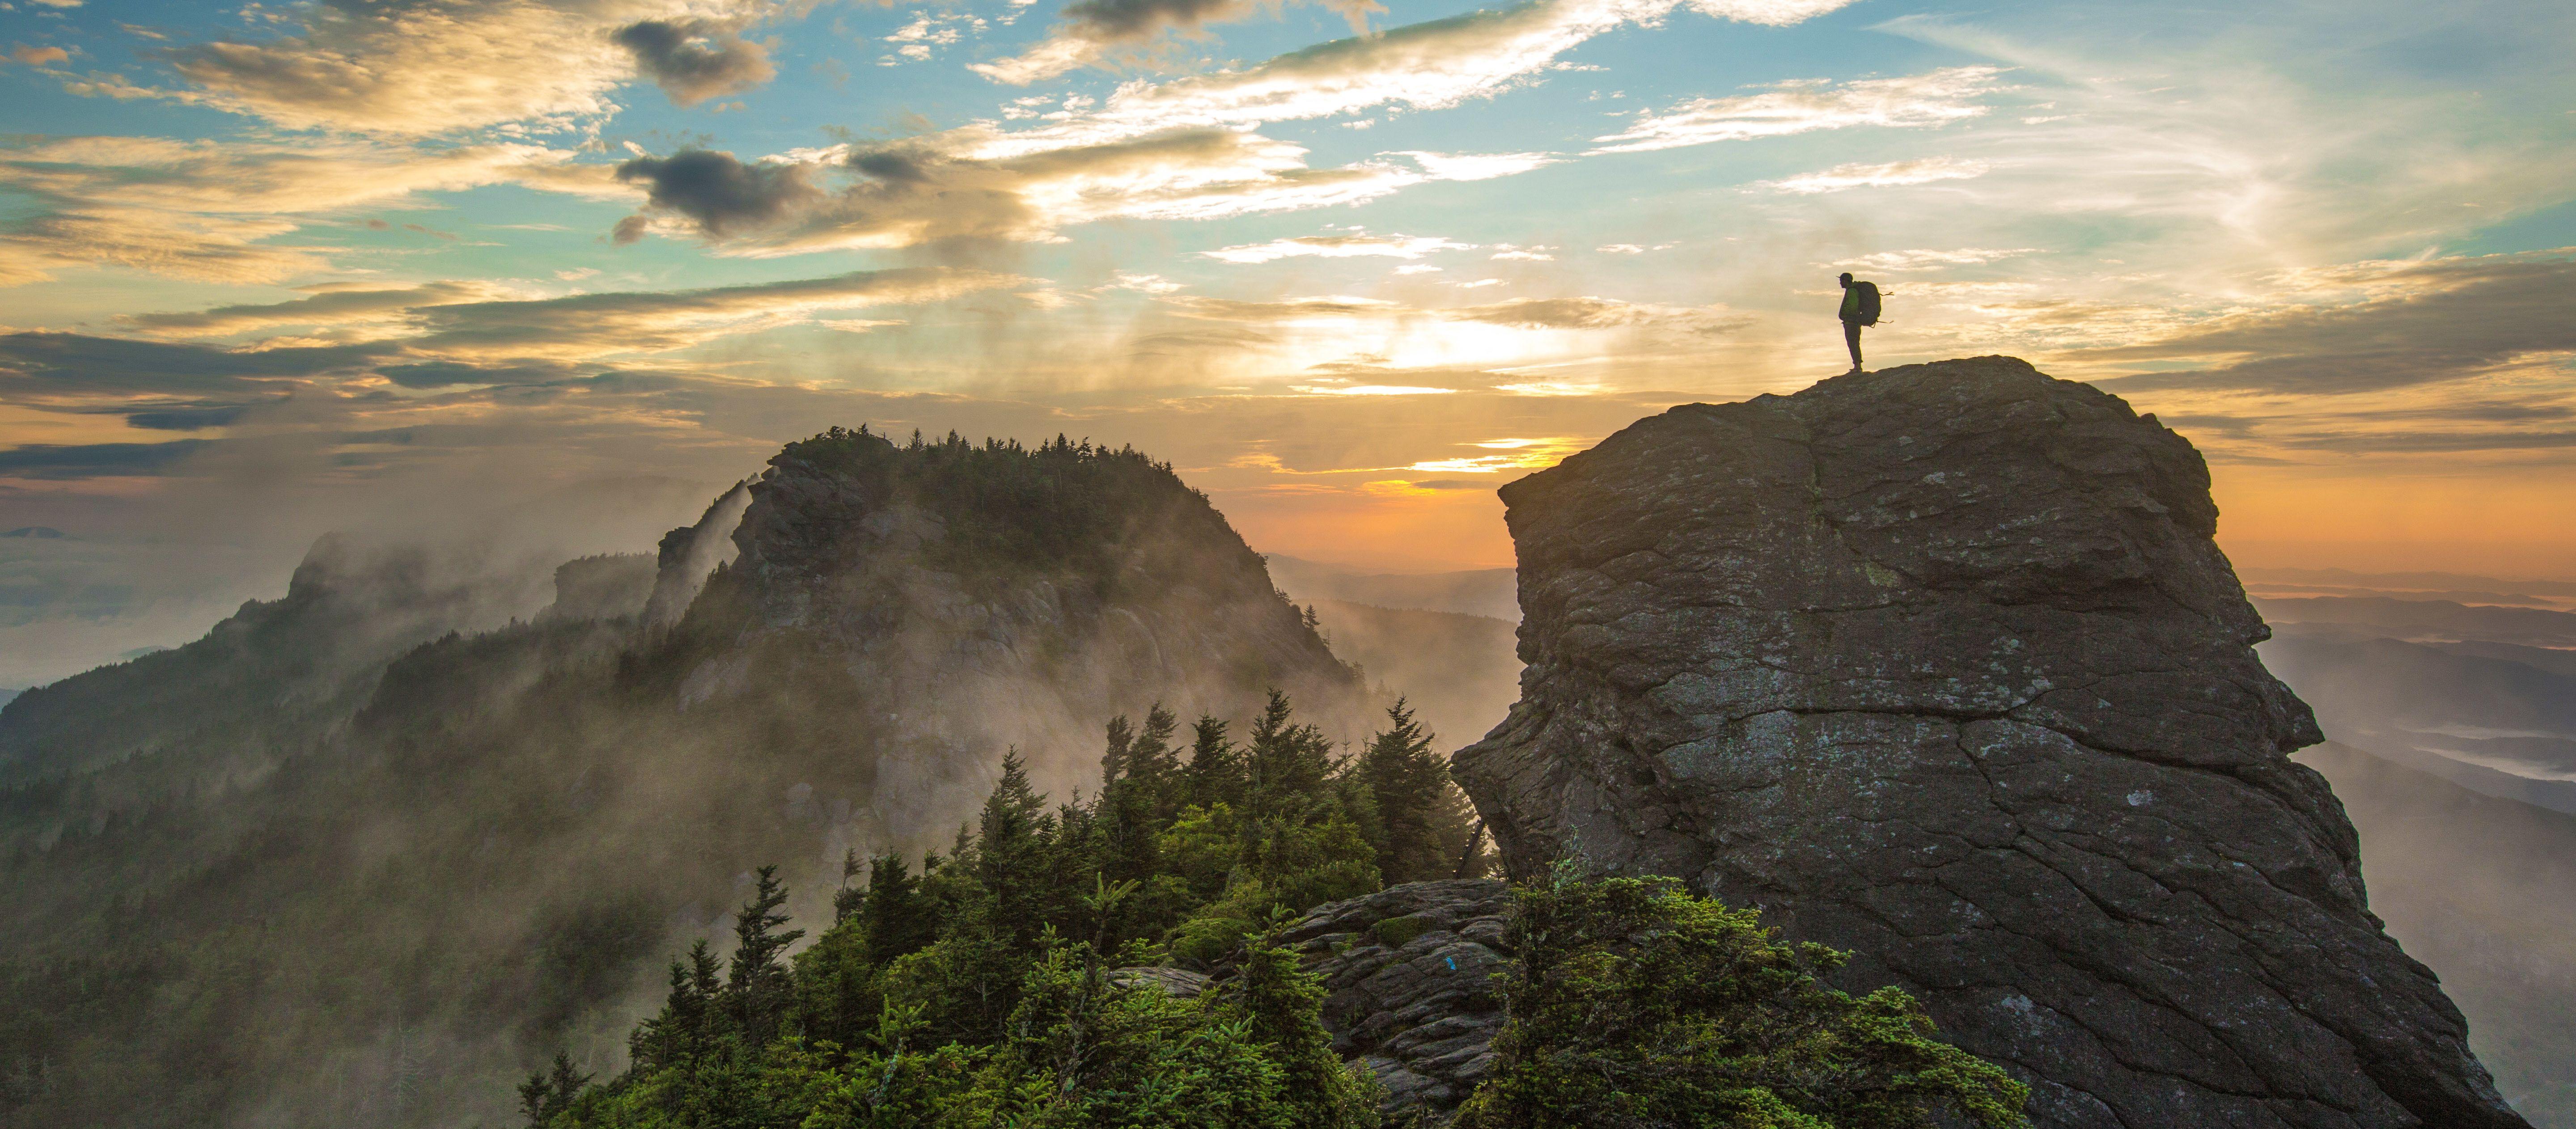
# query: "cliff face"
{"type": "Point", "coordinates": [1940, 664]}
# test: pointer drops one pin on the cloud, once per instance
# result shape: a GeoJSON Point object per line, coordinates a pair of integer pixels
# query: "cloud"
{"type": "Point", "coordinates": [1928, 260]}
{"type": "Point", "coordinates": [584, 326]}
{"type": "Point", "coordinates": [330, 306]}
{"type": "Point", "coordinates": [39, 56]}
{"type": "Point", "coordinates": [1338, 247]}
{"type": "Point", "coordinates": [72, 371]}
{"type": "Point", "coordinates": [1897, 173]}
{"type": "Point", "coordinates": [1181, 149]}
{"type": "Point", "coordinates": [1091, 27]}
{"type": "Point", "coordinates": [94, 460]}
{"type": "Point", "coordinates": [1918, 101]}
{"type": "Point", "coordinates": [719, 193]}
{"type": "Point", "coordinates": [2417, 322]}
{"type": "Point", "coordinates": [1591, 313]}
{"type": "Point", "coordinates": [1431, 65]}
{"type": "Point", "coordinates": [421, 67]}
{"type": "Point", "coordinates": [1476, 166]}
{"type": "Point", "coordinates": [209, 210]}
{"type": "Point", "coordinates": [931, 189]}
{"type": "Point", "coordinates": [694, 60]}
{"type": "Point", "coordinates": [1524, 313]}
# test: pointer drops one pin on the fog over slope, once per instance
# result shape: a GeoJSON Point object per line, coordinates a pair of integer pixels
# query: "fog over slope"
{"type": "Point", "coordinates": [365, 854]}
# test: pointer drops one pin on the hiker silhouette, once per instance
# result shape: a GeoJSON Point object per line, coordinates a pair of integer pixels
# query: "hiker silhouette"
{"type": "Point", "coordinates": [1860, 308]}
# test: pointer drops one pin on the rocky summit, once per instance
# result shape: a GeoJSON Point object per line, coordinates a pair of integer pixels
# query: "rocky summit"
{"type": "Point", "coordinates": [1941, 664]}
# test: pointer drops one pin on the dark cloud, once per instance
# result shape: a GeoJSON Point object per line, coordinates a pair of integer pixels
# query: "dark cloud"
{"type": "Point", "coordinates": [323, 308]}
{"type": "Point", "coordinates": [73, 363]}
{"type": "Point", "coordinates": [720, 194]}
{"type": "Point", "coordinates": [1112, 21]}
{"type": "Point", "coordinates": [449, 374]}
{"type": "Point", "coordinates": [693, 61]}
{"type": "Point", "coordinates": [1451, 484]}
{"type": "Point", "coordinates": [190, 418]}
{"type": "Point", "coordinates": [94, 460]}
{"type": "Point", "coordinates": [2442, 319]}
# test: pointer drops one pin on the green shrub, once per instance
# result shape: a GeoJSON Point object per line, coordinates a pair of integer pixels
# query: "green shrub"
{"type": "Point", "coordinates": [1630, 1002]}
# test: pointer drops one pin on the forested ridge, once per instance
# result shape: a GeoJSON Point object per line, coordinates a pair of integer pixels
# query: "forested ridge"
{"type": "Point", "coordinates": [1008, 982]}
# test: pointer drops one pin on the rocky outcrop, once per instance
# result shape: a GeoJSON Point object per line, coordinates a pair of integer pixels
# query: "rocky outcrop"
{"type": "Point", "coordinates": [1940, 664]}
{"type": "Point", "coordinates": [1409, 971]}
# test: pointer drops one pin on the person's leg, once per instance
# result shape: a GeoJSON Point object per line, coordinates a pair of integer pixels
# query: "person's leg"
{"type": "Point", "coordinates": [1851, 337]}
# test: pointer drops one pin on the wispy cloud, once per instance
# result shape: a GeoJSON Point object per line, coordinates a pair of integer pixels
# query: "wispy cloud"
{"type": "Point", "coordinates": [1092, 28]}
{"type": "Point", "coordinates": [425, 68]}
{"type": "Point", "coordinates": [1893, 174]}
{"type": "Point", "coordinates": [1338, 247]}
{"type": "Point", "coordinates": [1920, 259]}
{"type": "Point", "coordinates": [2415, 322]}
{"type": "Point", "coordinates": [1918, 101]}
{"type": "Point", "coordinates": [209, 210]}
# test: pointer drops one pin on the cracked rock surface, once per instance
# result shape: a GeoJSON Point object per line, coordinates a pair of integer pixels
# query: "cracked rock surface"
{"type": "Point", "coordinates": [1940, 664]}
{"type": "Point", "coordinates": [1408, 973]}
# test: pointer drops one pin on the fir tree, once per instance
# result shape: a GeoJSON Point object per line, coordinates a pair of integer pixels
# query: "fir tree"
{"type": "Point", "coordinates": [758, 988]}
{"type": "Point", "coordinates": [1417, 821]}
{"type": "Point", "coordinates": [898, 920]}
{"type": "Point", "coordinates": [1215, 771]}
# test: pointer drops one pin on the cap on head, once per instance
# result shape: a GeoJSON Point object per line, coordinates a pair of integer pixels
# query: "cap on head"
{"type": "Point", "coordinates": [1846, 278]}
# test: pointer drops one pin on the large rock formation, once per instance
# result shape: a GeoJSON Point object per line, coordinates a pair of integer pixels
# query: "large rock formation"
{"type": "Point", "coordinates": [1940, 664]}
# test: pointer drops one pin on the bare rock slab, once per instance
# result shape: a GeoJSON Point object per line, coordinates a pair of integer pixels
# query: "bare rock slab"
{"type": "Point", "coordinates": [1940, 664]}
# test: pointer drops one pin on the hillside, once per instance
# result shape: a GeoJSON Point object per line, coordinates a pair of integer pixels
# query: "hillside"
{"type": "Point", "coordinates": [456, 856]}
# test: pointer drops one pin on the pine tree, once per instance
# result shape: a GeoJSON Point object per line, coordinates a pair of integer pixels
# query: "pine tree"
{"type": "Point", "coordinates": [897, 918]}
{"type": "Point", "coordinates": [547, 1094]}
{"type": "Point", "coordinates": [1417, 820]}
{"type": "Point", "coordinates": [1013, 838]}
{"type": "Point", "coordinates": [1287, 764]}
{"type": "Point", "coordinates": [758, 988]}
{"type": "Point", "coordinates": [1155, 765]}
{"type": "Point", "coordinates": [1113, 760]}
{"type": "Point", "coordinates": [1215, 771]}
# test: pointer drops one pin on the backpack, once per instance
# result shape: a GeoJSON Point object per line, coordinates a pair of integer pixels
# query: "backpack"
{"type": "Point", "coordinates": [1868, 302]}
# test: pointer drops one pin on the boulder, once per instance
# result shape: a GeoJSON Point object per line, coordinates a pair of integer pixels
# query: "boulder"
{"type": "Point", "coordinates": [1409, 973]}
{"type": "Point", "coordinates": [1941, 665]}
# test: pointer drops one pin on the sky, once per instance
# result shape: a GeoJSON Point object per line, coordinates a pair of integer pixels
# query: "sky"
{"type": "Point", "coordinates": [425, 266]}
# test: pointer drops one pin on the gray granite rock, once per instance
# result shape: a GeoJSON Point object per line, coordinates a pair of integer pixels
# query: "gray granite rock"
{"type": "Point", "coordinates": [1409, 975]}
{"type": "Point", "coordinates": [1940, 664]}
{"type": "Point", "coordinates": [1180, 983]}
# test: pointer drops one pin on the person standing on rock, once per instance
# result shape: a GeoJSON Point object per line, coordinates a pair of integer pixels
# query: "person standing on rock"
{"type": "Point", "coordinates": [1860, 307]}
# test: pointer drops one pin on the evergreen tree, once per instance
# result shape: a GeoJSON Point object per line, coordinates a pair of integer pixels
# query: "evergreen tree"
{"type": "Point", "coordinates": [1287, 764]}
{"type": "Point", "coordinates": [546, 1095]}
{"type": "Point", "coordinates": [1215, 770]}
{"type": "Point", "coordinates": [895, 915]}
{"type": "Point", "coordinates": [1113, 760]}
{"type": "Point", "coordinates": [758, 989]}
{"type": "Point", "coordinates": [1417, 820]}
{"type": "Point", "coordinates": [1013, 839]}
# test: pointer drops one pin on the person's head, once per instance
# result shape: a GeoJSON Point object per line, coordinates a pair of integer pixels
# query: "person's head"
{"type": "Point", "coordinates": [1846, 280]}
